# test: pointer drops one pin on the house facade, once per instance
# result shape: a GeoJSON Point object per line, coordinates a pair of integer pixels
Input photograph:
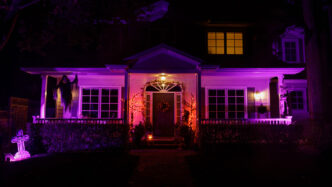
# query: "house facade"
{"type": "Point", "coordinates": [163, 86]}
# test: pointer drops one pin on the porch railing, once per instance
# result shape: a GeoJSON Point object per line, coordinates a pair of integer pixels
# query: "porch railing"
{"type": "Point", "coordinates": [37, 120]}
{"type": "Point", "coordinates": [267, 121]}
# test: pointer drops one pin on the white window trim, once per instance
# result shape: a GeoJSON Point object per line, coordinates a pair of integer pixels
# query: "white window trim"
{"type": "Point", "coordinates": [99, 99]}
{"type": "Point", "coordinates": [304, 95]}
{"type": "Point", "coordinates": [226, 88]}
{"type": "Point", "coordinates": [297, 45]}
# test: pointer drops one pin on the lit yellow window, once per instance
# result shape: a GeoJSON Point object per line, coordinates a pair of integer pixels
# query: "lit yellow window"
{"type": "Point", "coordinates": [234, 44]}
{"type": "Point", "coordinates": [216, 43]}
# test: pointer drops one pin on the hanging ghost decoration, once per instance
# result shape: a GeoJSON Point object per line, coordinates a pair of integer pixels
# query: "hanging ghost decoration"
{"type": "Point", "coordinates": [67, 88]}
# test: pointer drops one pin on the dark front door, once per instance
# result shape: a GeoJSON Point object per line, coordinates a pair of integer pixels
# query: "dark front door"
{"type": "Point", "coordinates": [163, 114]}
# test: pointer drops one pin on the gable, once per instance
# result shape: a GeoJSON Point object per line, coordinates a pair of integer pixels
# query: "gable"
{"type": "Point", "coordinates": [163, 59]}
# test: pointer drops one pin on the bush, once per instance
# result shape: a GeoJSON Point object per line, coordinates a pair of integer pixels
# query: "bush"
{"type": "Point", "coordinates": [139, 132]}
{"type": "Point", "coordinates": [187, 134]}
{"type": "Point", "coordinates": [77, 137]}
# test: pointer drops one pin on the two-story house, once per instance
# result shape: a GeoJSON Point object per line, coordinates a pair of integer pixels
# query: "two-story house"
{"type": "Point", "coordinates": [218, 65]}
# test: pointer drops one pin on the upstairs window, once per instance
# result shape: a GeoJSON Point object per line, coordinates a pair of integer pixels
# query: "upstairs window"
{"type": "Point", "coordinates": [291, 50]}
{"type": "Point", "coordinates": [229, 43]}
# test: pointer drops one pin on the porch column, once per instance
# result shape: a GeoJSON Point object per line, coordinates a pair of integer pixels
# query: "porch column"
{"type": "Point", "coordinates": [43, 96]}
{"type": "Point", "coordinates": [198, 99]}
{"type": "Point", "coordinates": [125, 115]}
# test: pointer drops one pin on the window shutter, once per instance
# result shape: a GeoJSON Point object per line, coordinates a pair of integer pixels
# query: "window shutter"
{"type": "Point", "coordinates": [251, 102]}
{"type": "Point", "coordinates": [203, 103]}
{"type": "Point", "coordinates": [274, 98]}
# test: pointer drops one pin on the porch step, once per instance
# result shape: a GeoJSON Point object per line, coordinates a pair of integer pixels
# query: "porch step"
{"type": "Point", "coordinates": [167, 143]}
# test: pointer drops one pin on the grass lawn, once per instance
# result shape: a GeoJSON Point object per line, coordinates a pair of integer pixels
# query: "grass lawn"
{"type": "Point", "coordinates": [70, 169]}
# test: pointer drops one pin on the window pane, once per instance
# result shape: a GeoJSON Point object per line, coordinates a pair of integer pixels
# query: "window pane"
{"type": "Point", "coordinates": [212, 108]}
{"type": "Point", "coordinates": [220, 50]}
{"type": "Point", "coordinates": [94, 99]}
{"type": "Point", "coordinates": [85, 114]}
{"type": "Point", "coordinates": [220, 43]}
{"type": "Point", "coordinates": [114, 92]}
{"type": "Point", "coordinates": [238, 35]}
{"type": "Point", "coordinates": [105, 92]}
{"type": "Point", "coordinates": [212, 115]}
{"type": "Point", "coordinates": [85, 107]}
{"type": "Point", "coordinates": [94, 92]}
{"type": "Point", "coordinates": [239, 107]}
{"type": "Point", "coordinates": [94, 114]}
{"type": "Point", "coordinates": [231, 115]}
{"type": "Point", "coordinates": [86, 91]}
{"type": "Point", "coordinates": [238, 43]}
{"type": "Point", "coordinates": [211, 35]}
{"type": "Point", "coordinates": [104, 114]}
{"type": "Point", "coordinates": [220, 35]}
{"type": "Point", "coordinates": [221, 115]}
{"type": "Point", "coordinates": [240, 100]}
{"type": "Point", "coordinates": [220, 100]}
{"type": "Point", "coordinates": [230, 43]}
{"type": "Point", "coordinates": [113, 114]}
{"type": "Point", "coordinates": [238, 51]}
{"type": "Point", "coordinates": [94, 107]}
{"type": "Point", "coordinates": [230, 35]}
{"type": "Point", "coordinates": [231, 108]}
{"type": "Point", "coordinates": [212, 92]}
{"type": "Point", "coordinates": [105, 99]}
{"type": "Point", "coordinates": [114, 107]}
{"type": "Point", "coordinates": [212, 50]}
{"type": "Point", "coordinates": [212, 99]}
{"type": "Point", "coordinates": [240, 115]}
{"type": "Point", "coordinates": [239, 93]}
{"type": "Point", "coordinates": [105, 107]}
{"type": "Point", "coordinates": [230, 51]}
{"type": "Point", "coordinates": [231, 92]}
{"type": "Point", "coordinates": [211, 43]}
{"type": "Point", "coordinates": [221, 107]}
{"type": "Point", "coordinates": [221, 92]}
{"type": "Point", "coordinates": [86, 99]}
{"type": "Point", "coordinates": [114, 99]}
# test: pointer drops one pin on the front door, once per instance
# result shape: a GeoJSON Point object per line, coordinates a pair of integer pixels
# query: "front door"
{"type": "Point", "coordinates": [163, 114]}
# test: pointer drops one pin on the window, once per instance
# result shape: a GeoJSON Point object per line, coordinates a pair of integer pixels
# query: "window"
{"type": "Point", "coordinates": [230, 43]}
{"type": "Point", "coordinates": [225, 103]}
{"type": "Point", "coordinates": [100, 103]}
{"type": "Point", "coordinates": [291, 50]}
{"type": "Point", "coordinates": [297, 100]}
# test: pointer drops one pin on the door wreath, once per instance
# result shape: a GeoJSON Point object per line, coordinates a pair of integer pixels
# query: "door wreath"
{"type": "Point", "coordinates": [163, 106]}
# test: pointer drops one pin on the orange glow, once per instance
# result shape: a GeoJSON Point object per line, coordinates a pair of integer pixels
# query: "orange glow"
{"type": "Point", "coordinates": [150, 137]}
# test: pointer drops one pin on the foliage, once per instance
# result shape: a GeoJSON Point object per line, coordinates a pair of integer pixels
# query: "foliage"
{"type": "Point", "coordinates": [186, 133]}
{"type": "Point", "coordinates": [76, 137]}
{"type": "Point", "coordinates": [212, 134]}
{"type": "Point", "coordinates": [139, 132]}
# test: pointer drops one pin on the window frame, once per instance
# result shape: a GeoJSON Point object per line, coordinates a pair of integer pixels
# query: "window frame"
{"type": "Point", "coordinates": [297, 46]}
{"type": "Point", "coordinates": [99, 100]}
{"type": "Point", "coordinates": [226, 88]}
{"type": "Point", "coordinates": [304, 97]}
{"type": "Point", "coordinates": [225, 42]}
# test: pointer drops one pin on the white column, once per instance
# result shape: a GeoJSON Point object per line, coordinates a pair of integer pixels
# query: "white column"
{"type": "Point", "coordinates": [43, 96]}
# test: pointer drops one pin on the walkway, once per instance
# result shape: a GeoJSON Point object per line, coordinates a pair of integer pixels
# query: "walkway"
{"type": "Point", "coordinates": [161, 167]}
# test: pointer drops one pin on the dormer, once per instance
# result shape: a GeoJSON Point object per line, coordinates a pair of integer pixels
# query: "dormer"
{"type": "Point", "coordinates": [290, 45]}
